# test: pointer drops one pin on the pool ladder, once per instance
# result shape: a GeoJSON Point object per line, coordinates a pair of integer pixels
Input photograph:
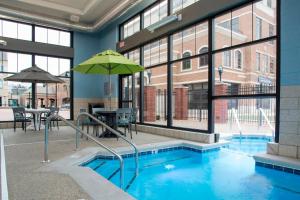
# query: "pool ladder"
{"type": "Point", "coordinates": [78, 130]}
{"type": "Point", "coordinates": [268, 122]}
{"type": "Point", "coordinates": [237, 121]}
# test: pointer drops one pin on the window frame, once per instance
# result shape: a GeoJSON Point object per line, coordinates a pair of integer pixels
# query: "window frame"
{"type": "Point", "coordinates": [203, 55]}
{"type": "Point", "coordinates": [212, 52]}
{"type": "Point", "coordinates": [32, 60]}
{"type": "Point", "coordinates": [186, 60]}
{"type": "Point", "coordinates": [236, 59]}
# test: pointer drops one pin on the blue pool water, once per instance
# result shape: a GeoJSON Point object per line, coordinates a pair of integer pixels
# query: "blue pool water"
{"type": "Point", "coordinates": [249, 144]}
{"type": "Point", "coordinates": [184, 174]}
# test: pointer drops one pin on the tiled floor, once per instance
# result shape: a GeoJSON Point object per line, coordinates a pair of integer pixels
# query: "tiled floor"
{"type": "Point", "coordinates": [24, 153]}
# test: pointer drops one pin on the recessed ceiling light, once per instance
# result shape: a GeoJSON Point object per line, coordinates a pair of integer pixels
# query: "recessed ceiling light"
{"type": "Point", "coordinates": [74, 18]}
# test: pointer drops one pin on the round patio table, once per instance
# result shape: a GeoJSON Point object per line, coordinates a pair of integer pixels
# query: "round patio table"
{"type": "Point", "coordinates": [36, 115]}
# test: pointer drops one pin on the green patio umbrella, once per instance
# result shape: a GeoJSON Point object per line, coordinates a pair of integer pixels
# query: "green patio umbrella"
{"type": "Point", "coordinates": [108, 62]}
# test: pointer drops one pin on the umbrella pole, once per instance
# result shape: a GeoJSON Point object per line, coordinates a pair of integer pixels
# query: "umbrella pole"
{"type": "Point", "coordinates": [109, 83]}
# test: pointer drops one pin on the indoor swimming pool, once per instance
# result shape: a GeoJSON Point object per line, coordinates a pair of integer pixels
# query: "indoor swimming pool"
{"type": "Point", "coordinates": [249, 144]}
{"type": "Point", "coordinates": [185, 173]}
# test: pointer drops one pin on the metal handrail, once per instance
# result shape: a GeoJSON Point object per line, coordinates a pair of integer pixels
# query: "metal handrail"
{"type": "Point", "coordinates": [114, 132]}
{"type": "Point", "coordinates": [237, 121]}
{"type": "Point", "coordinates": [268, 122]}
{"type": "Point", "coordinates": [77, 135]}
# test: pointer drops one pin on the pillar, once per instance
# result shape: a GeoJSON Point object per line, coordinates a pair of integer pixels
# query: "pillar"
{"type": "Point", "coordinates": [221, 106]}
{"type": "Point", "coordinates": [181, 103]}
{"type": "Point", "coordinates": [149, 103]}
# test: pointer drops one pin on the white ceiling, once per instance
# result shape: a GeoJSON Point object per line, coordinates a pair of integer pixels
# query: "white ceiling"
{"type": "Point", "coordinates": [91, 13]}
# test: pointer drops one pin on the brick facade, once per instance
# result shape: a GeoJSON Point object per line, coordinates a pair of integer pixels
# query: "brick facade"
{"type": "Point", "coordinates": [149, 103]}
{"type": "Point", "coordinates": [181, 103]}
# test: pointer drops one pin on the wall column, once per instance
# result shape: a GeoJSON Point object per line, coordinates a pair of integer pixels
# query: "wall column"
{"type": "Point", "coordinates": [149, 103]}
{"type": "Point", "coordinates": [181, 103]}
{"type": "Point", "coordinates": [221, 106]}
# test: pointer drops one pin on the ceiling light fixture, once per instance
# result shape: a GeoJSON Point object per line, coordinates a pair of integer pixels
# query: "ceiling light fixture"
{"type": "Point", "coordinates": [74, 18]}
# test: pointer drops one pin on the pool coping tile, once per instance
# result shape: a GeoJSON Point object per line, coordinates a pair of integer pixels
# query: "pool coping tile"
{"type": "Point", "coordinates": [279, 163]}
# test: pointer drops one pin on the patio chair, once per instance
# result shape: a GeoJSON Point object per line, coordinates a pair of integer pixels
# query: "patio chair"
{"type": "Point", "coordinates": [101, 118]}
{"type": "Point", "coordinates": [133, 119]}
{"type": "Point", "coordinates": [88, 122]}
{"type": "Point", "coordinates": [20, 116]}
{"type": "Point", "coordinates": [45, 115]}
{"type": "Point", "coordinates": [123, 117]}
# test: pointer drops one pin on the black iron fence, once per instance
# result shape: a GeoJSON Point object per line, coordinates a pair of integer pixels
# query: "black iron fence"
{"type": "Point", "coordinates": [250, 89]}
{"type": "Point", "coordinates": [247, 110]}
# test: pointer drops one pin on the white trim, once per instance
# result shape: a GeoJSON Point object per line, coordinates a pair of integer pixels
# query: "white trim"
{"type": "Point", "coordinates": [234, 60]}
{"type": "Point", "coordinates": [159, 76]}
{"type": "Point", "coordinates": [195, 81]}
{"type": "Point", "coordinates": [198, 52]}
{"type": "Point", "coordinates": [4, 190]}
{"type": "Point", "coordinates": [191, 72]}
{"type": "Point", "coordinates": [191, 67]}
{"type": "Point", "coordinates": [226, 66]}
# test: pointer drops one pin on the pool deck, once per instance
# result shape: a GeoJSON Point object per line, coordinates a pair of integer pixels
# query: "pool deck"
{"type": "Point", "coordinates": [28, 177]}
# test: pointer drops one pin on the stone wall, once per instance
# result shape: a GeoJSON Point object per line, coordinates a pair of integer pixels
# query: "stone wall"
{"type": "Point", "coordinates": [180, 134]}
{"type": "Point", "coordinates": [289, 132]}
{"type": "Point", "coordinates": [80, 103]}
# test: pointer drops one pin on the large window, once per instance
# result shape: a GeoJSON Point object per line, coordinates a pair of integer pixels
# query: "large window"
{"type": "Point", "coordinates": [55, 66]}
{"type": "Point", "coordinates": [155, 53]}
{"type": "Point", "coordinates": [131, 85]}
{"type": "Point", "coordinates": [190, 40]}
{"type": "Point", "coordinates": [155, 95]}
{"type": "Point", "coordinates": [15, 30]}
{"type": "Point", "coordinates": [178, 5]}
{"type": "Point", "coordinates": [155, 13]}
{"type": "Point", "coordinates": [57, 95]}
{"type": "Point", "coordinates": [243, 70]}
{"type": "Point", "coordinates": [52, 36]}
{"type": "Point", "coordinates": [131, 27]}
{"type": "Point", "coordinates": [20, 94]}
{"type": "Point", "coordinates": [190, 89]}
{"type": "Point", "coordinates": [151, 15]}
{"type": "Point", "coordinates": [245, 76]}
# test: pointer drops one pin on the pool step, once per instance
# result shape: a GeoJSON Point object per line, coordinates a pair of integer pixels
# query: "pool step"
{"type": "Point", "coordinates": [113, 174]}
{"type": "Point", "coordinates": [130, 182]}
{"type": "Point", "coordinates": [98, 166]}
{"type": "Point", "coordinates": [107, 169]}
{"type": "Point", "coordinates": [129, 172]}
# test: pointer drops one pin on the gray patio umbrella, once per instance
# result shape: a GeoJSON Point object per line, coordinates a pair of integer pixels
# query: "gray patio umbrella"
{"type": "Point", "coordinates": [34, 74]}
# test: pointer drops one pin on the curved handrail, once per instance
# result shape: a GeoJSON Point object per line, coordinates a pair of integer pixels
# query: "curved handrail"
{"type": "Point", "coordinates": [268, 122]}
{"type": "Point", "coordinates": [237, 121]}
{"type": "Point", "coordinates": [77, 134]}
{"type": "Point", "coordinates": [114, 132]}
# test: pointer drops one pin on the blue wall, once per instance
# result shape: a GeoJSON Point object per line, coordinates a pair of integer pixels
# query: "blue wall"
{"type": "Point", "coordinates": [290, 42]}
{"type": "Point", "coordinates": [85, 86]}
{"type": "Point", "coordinates": [87, 44]}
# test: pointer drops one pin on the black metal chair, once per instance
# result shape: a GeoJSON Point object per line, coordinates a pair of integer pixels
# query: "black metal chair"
{"type": "Point", "coordinates": [123, 118]}
{"type": "Point", "coordinates": [20, 116]}
{"type": "Point", "coordinates": [88, 122]}
{"type": "Point", "coordinates": [100, 117]}
{"type": "Point", "coordinates": [133, 119]}
{"type": "Point", "coordinates": [45, 115]}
